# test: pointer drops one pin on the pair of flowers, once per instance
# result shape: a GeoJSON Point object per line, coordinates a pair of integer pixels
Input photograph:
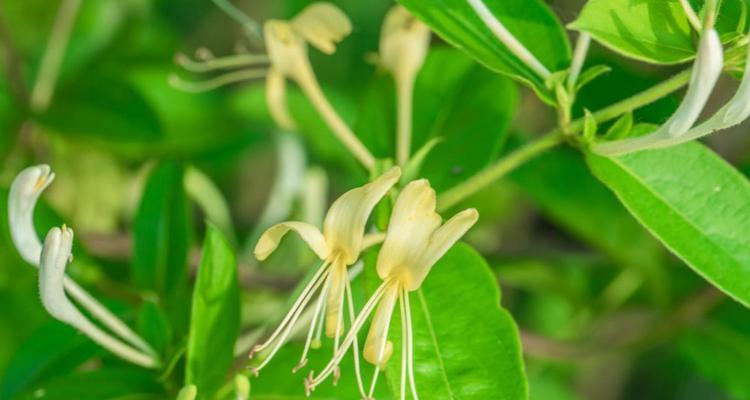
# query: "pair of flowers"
{"type": "Point", "coordinates": [414, 241]}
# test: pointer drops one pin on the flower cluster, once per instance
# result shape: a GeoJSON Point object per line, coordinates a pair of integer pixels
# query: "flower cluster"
{"type": "Point", "coordinates": [415, 240]}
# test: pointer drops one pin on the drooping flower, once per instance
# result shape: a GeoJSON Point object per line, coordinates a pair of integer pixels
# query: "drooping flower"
{"type": "Point", "coordinates": [55, 254]}
{"type": "Point", "coordinates": [404, 42]}
{"type": "Point", "coordinates": [706, 70]}
{"type": "Point", "coordinates": [22, 199]}
{"type": "Point", "coordinates": [414, 242]}
{"type": "Point", "coordinates": [321, 25]}
{"type": "Point", "coordinates": [338, 246]}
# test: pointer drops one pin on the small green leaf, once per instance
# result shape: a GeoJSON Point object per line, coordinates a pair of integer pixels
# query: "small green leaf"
{"type": "Point", "coordinates": [694, 203]}
{"type": "Point", "coordinates": [215, 316]}
{"type": "Point", "coordinates": [530, 21]}
{"type": "Point", "coordinates": [466, 346]}
{"type": "Point", "coordinates": [651, 31]}
{"type": "Point", "coordinates": [621, 128]}
{"type": "Point", "coordinates": [162, 240]}
{"type": "Point", "coordinates": [590, 74]}
{"type": "Point", "coordinates": [589, 127]}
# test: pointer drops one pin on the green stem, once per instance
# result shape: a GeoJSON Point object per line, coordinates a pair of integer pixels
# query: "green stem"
{"type": "Point", "coordinates": [486, 177]}
{"type": "Point", "coordinates": [496, 171]}
{"type": "Point", "coordinates": [44, 87]}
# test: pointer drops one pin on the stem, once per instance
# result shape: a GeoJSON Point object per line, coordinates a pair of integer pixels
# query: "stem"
{"type": "Point", "coordinates": [691, 15]}
{"type": "Point", "coordinates": [44, 87]}
{"type": "Point", "coordinates": [644, 98]}
{"type": "Point", "coordinates": [486, 177]}
{"type": "Point", "coordinates": [310, 86]}
{"type": "Point", "coordinates": [235, 13]}
{"type": "Point", "coordinates": [405, 91]}
{"type": "Point", "coordinates": [12, 65]}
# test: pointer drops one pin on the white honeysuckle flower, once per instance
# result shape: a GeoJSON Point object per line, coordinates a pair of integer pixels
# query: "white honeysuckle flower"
{"type": "Point", "coordinates": [414, 242]}
{"type": "Point", "coordinates": [706, 70]}
{"type": "Point", "coordinates": [404, 42]}
{"type": "Point", "coordinates": [22, 199]}
{"type": "Point", "coordinates": [24, 194]}
{"type": "Point", "coordinates": [338, 246]}
{"type": "Point", "coordinates": [55, 255]}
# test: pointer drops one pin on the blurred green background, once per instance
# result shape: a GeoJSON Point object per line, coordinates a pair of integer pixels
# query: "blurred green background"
{"type": "Point", "coordinates": [604, 311]}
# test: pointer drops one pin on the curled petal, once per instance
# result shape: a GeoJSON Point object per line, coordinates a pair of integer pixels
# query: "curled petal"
{"type": "Point", "coordinates": [404, 42]}
{"type": "Point", "coordinates": [412, 222]}
{"type": "Point", "coordinates": [24, 193]}
{"type": "Point", "coordinates": [706, 71]}
{"type": "Point", "coordinates": [344, 225]}
{"type": "Point", "coordinates": [271, 238]}
{"type": "Point", "coordinates": [378, 349]}
{"type": "Point", "coordinates": [441, 241]}
{"type": "Point", "coordinates": [276, 100]}
{"type": "Point", "coordinates": [54, 257]}
{"type": "Point", "coordinates": [322, 25]}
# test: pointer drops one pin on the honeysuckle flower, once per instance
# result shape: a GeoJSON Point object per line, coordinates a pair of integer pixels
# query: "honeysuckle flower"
{"type": "Point", "coordinates": [338, 246]}
{"type": "Point", "coordinates": [23, 196]}
{"type": "Point", "coordinates": [404, 42]}
{"type": "Point", "coordinates": [414, 242]}
{"type": "Point", "coordinates": [706, 70]}
{"type": "Point", "coordinates": [55, 254]}
{"type": "Point", "coordinates": [321, 25]}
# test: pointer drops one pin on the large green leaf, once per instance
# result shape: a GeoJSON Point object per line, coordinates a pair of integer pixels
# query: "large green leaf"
{"type": "Point", "coordinates": [530, 21]}
{"type": "Point", "coordinates": [162, 240]}
{"type": "Point", "coordinates": [119, 383]}
{"type": "Point", "coordinates": [456, 101]}
{"type": "Point", "coordinates": [215, 316]}
{"type": "Point", "coordinates": [653, 31]}
{"type": "Point", "coordinates": [465, 345]}
{"type": "Point", "coordinates": [694, 202]}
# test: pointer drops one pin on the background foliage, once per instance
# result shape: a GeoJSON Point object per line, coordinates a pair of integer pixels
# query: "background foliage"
{"type": "Point", "coordinates": [606, 269]}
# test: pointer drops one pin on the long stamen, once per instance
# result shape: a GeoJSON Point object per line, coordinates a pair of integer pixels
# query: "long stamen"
{"type": "Point", "coordinates": [355, 348]}
{"type": "Point", "coordinates": [229, 62]}
{"type": "Point", "coordinates": [219, 81]}
{"type": "Point", "coordinates": [323, 269]}
{"type": "Point", "coordinates": [410, 340]}
{"type": "Point", "coordinates": [311, 382]}
{"type": "Point", "coordinates": [339, 324]}
{"type": "Point", "coordinates": [317, 314]}
{"type": "Point", "coordinates": [282, 339]}
{"type": "Point", "coordinates": [404, 345]}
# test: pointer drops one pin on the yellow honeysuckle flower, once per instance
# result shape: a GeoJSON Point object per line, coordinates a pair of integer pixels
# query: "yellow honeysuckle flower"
{"type": "Point", "coordinates": [339, 246]}
{"type": "Point", "coordinates": [414, 242]}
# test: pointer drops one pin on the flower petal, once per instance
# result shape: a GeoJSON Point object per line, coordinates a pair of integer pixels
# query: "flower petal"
{"type": "Point", "coordinates": [286, 49]}
{"type": "Point", "coordinates": [441, 241]}
{"type": "Point", "coordinates": [412, 222]}
{"type": "Point", "coordinates": [344, 225]}
{"type": "Point", "coordinates": [270, 239]}
{"type": "Point", "coordinates": [24, 193]}
{"type": "Point", "coordinates": [322, 25]}
{"type": "Point", "coordinates": [54, 257]}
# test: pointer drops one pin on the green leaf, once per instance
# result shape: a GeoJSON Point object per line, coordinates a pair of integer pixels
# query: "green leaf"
{"type": "Point", "coordinates": [530, 21]}
{"type": "Point", "coordinates": [694, 203]}
{"type": "Point", "coordinates": [154, 327]}
{"type": "Point", "coordinates": [465, 345]}
{"type": "Point", "coordinates": [465, 106]}
{"type": "Point", "coordinates": [651, 31]}
{"type": "Point", "coordinates": [103, 108]}
{"type": "Point", "coordinates": [215, 316]}
{"type": "Point", "coordinates": [621, 128]}
{"type": "Point", "coordinates": [162, 240]}
{"type": "Point", "coordinates": [590, 74]}
{"type": "Point", "coordinates": [101, 384]}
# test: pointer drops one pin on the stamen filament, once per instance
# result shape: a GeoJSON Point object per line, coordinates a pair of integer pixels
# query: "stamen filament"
{"type": "Point", "coordinates": [355, 348]}
{"type": "Point", "coordinates": [211, 64]}
{"type": "Point", "coordinates": [404, 346]}
{"type": "Point", "coordinates": [219, 81]}
{"type": "Point", "coordinates": [410, 351]}
{"type": "Point", "coordinates": [323, 269]}
{"type": "Point", "coordinates": [317, 314]}
{"type": "Point", "coordinates": [389, 302]}
{"type": "Point", "coordinates": [312, 382]}
{"type": "Point", "coordinates": [507, 38]}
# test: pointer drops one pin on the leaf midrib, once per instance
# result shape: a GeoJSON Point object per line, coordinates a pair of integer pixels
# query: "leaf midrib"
{"type": "Point", "coordinates": [433, 338]}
